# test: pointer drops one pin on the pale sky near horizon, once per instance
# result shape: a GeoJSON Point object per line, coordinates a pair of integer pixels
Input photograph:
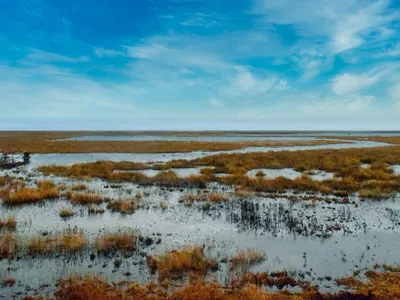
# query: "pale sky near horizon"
{"type": "Point", "coordinates": [200, 64]}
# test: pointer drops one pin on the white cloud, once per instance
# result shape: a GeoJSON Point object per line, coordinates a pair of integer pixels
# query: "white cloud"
{"type": "Point", "coordinates": [101, 52]}
{"type": "Point", "coordinates": [59, 93]}
{"type": "Point", "coordinates": [344, 23]}
{"type": "Point", "coordinates": [394, 92]}
{"type": "Point", "coordinates": [348, 83]}
{"type": "Point", "coordinates": [281, 85]}
{"type": "Point", "coordinates": [216, 103]}
{"type": "Point", "coordinates": [36, 55]}
{"type": "Point", "coordinates": [339, 106]}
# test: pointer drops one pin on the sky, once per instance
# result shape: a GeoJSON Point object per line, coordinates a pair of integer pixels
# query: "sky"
{"type": "Point", "coordinates": [200, 64]}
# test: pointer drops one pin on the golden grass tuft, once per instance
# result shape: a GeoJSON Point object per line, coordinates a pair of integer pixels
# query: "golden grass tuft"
{"type": "Point", "coordinates": [382, 285]}
{"type": "Point", "coordinates": [85, 198]}
{"type": "Point", "coordinates": [8, 245]}
{"type": "Point", "coordinates": [66, 213]}
{"type": "Point", "coordinates": [79, 187]}
{"type": "Point", "coordinates": [94, 209]}
{"type": "Point", "coordinates": [164, 205]}
{"type": "Point", "coordinates": [246, 258]}
{"type": "Point", "coordinates": [207, 197]}
{"type": "Point", "coordinates": [17, 194]}
{"type": "Point", "coordinates": [68, 241]}
{"type": "Point", "coordinates": [124, 206]}
{"type": "Point", "coordinates": [9, 223]}
{"type": "Point", "coordinates": [176, 263]}
{"type": "Point", "coordinates": [112, 242]}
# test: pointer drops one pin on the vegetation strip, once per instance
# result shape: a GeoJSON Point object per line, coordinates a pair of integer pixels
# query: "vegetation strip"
{"type": "Point", "coordinates": [376, 181]}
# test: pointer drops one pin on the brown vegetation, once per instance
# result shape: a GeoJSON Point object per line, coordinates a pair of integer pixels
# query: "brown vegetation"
{"type": "Point", "coordinates": [247, 258]}
{"type": "Point", "coordinates": [93, 209]}
{"type": "Point", "coordinates": [66, 213]}
{"type": "Point", "coordinates": [48, 142]}
{"type": "Point", "coordinates": [208, 197]}
{"type": "Point", "coordinates": [164, 205]}
{"type": "Point", "coordinates": [8, 245]}
{"type": "Point", "coordinates": [381, 286]}
{"type": "Point", "coordinates": [176, 263]}
{"type": "Point", "coordinates": [112, 242]}
{"type": "Point", "coordinates": [69, 241]}
{"type": "Point", "coordinates": [9, 223]}
{"type": "Point", "coordinates": [16, 193]}
{"type": "Point", "coordinates": [124, 206]}
{"type": "Point", "coordinates": [79, 187]}
{"type": "Point", "coordinates": [85, 198]}
{"type": "Point", "coordinates": [376, 181]}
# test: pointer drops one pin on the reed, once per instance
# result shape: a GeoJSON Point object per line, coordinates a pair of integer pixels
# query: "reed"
{"type": "Point", "coordinates": [17, 194]}
{"type": "Point", "coordinates": [67, 241]}
{"type": "Point", "coordinates": [66, 213]}
{"type": "Point", "coordinates": [175, 263]}
{"type": "Point", "coordinates": [8, 245]}
{"type": "Point", "coordinates": [123, 206]}
{"type": "Point", "coordinates": [85, 198]}
{"type": "Point", "coordinates": [9, 223]}
{"type": "Point", "coordinates": [118, 241]}
{"type": "Point", "coordinates": [247, 258]}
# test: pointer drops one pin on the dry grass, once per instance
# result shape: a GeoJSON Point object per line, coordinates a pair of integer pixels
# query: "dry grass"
{"type": "Point", "coordinates": [85, 198]}
{"type": "Point", "coordinates": [97, 288]}
{"type": "Point", "coordinates": [381, 285]}
{"type": "Point", "coordinates": [9, 281]}
{"type": "Point", "coordinates": [164, 205]}
{"type": "Point", "coordinates": [126, 206]}
{"type": "Point", "coordinates": [378, 181]}
{"type": "Point", "coordinates": [247, 258]}
{"type": "Point", "coordinates": [45, 142]}
{"type": "Point", "coordinates": [9, 223]}
{"type": "Point", "coordinates": [207, 197]}
{"type": "Point", "coordinates": [67, 241]}
{"type": "Point", "coordinates": [17, 194]}
{"type": "Point", "coordinates": [112, 242]}
{"type": "Point", "coordinates": [8, 245]}
{"type": "Point", "coordinates": [79, 187]}
{"type": "Point", "coordinates": [176, 263]}
{"type": "Point", "coordinates": [93, 209]}
{"type": "Point", "coordinates": [66, 213]}
{"type": "Point", "coordinates": [3, 180]}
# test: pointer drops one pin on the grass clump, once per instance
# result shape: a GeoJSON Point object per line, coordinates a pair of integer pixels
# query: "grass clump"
{"type": "Point", "coordinates": [66, 213]}
{"type": "Point", "coordinates": [164, 205]}
{"type": "Point", "coordinates": [204, 197]}
{"type": "Point", "coordinates": [246, 258]}
{"type": "Point", "coordinates": [68, 241]}
{"type": "Point", "coordinates": [112, 242]}
{"type": "Point", "coordinates": [85, 198]}
{"type": "Point", "coordinates": [9, 223]}
{"type": "Point", "coordinates": [380, 285]}
{"type": "Point", "coordinates": [20, 194]}
{"type": "Point", "coordinates": [79, 187]}
{"type": "Point", "coordinates": [176, 263]}
{"type": "Point", "coordinates": [123, 206]}
{"type": "Point", "coordinates": [94, 209]}
{"type": "Point", "coordinates": [8, 245]}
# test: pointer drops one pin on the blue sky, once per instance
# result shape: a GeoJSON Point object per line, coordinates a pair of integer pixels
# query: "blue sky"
{"type": "Point", "coordinates": [200, 64]}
